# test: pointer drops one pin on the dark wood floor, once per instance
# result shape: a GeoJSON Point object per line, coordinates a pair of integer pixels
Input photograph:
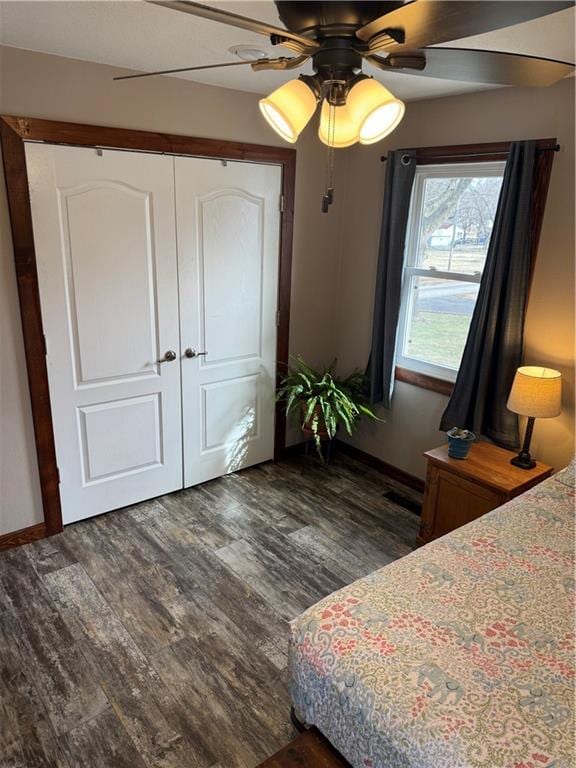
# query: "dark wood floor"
{"type": "Point", "coordinates": [156, 636]}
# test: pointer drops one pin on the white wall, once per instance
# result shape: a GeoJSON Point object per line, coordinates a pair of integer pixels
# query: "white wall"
{"type": "Point", "coordinates": [501, 115]}
{"type": "Point", "coordinates": [39, 85]}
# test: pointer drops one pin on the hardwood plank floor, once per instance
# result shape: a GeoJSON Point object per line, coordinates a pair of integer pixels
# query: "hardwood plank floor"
{"type": "Point", "coordinates": [156, 636]}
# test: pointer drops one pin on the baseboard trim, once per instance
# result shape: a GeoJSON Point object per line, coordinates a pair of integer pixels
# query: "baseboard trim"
{"type": "Point", "coordinates": [35, 532]}
{"type": "Point", "coordinates": [366, 458]}
{"type": "Point", "coordinates": [293, 450]}
{"type": "Point", "coordinates": [387, 469]}
{"type": "Point", "coordinates": [23, 536]}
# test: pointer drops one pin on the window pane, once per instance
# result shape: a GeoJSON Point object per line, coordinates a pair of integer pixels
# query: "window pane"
{"type": "Point", "coordinates": [456, 222]}
{"type": "Point", "coordinates": [439, 316]}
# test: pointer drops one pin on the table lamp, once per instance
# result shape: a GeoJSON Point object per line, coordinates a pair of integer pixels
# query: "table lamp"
{"type": "Point", "coordinates": [536, 393]}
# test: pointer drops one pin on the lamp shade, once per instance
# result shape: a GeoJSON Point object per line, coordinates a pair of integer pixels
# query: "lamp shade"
{"type": "Point", "coordinates": [374, 110]}
{"type": "Point", "coordinates": [536, 392]}
{"type": "Point", "coordinates": [345, 131]}
{"type": "Point", "coordinates": [289, 108]}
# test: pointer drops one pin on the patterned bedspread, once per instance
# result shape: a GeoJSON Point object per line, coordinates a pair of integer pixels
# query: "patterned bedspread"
{"type": "Point", "coordinates": [460, 655]}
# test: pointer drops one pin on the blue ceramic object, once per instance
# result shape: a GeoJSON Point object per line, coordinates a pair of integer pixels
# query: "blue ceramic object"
{"type": "Point", "coordinates": [459, 442]}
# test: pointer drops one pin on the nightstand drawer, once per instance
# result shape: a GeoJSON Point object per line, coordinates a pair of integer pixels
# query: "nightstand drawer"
{"type": "Point", "coordinates": [459, 502]}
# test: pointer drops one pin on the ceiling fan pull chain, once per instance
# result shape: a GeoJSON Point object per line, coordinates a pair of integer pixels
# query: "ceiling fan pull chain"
{"type": "Point", "coordinates": [331, 154]}
{"type": "Point", "coordinates": [328, 197]}
{"type": "Point", "coordinates": [325, 196]}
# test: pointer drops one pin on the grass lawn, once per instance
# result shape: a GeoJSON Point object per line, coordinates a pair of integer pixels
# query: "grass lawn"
{"type": "Point", "coordinates": [438, 337]}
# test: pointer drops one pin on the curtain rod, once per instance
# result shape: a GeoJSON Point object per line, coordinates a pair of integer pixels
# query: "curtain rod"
{"type": "Point", "coordinates": [487, 153]}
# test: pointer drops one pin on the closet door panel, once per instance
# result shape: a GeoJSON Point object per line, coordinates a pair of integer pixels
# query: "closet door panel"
{"type": "Point", "coordinates": [110, 264]}
{"type": "Point", "coordinates": [228, 247]}
{"type": "Point", "coordinates": [106, 252]}
{"type": "Point", "coordinates": [231, 249]}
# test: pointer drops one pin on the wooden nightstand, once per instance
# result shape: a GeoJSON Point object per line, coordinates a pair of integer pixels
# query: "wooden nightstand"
{"type": "Point", "coordinates": [460, 490]}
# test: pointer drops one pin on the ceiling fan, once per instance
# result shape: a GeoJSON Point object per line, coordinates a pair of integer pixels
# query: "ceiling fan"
{"type": "Point", "coordinates": [392, 35]}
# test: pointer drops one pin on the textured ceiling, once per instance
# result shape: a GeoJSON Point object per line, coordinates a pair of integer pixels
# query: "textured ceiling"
{"type": "Point", "coordinates": [138, 36]}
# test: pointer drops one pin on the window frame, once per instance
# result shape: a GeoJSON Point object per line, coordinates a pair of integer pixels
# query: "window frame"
{"type": "Point", "coordinates": [410, 271]}
{"type": "Point", "coordinates": [483, 152]}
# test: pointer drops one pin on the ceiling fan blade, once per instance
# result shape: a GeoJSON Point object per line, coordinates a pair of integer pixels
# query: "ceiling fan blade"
{"type": "Point", "coordinates": [185, 69]}
{"type": "Point", "coordinates": [258, 65]}
{"type": "Point", "coordinates": [429, 22]}
{"type": "Point", "coordinates": [474, 66]}
{"type": "Point", "coordinates": [235, 20]}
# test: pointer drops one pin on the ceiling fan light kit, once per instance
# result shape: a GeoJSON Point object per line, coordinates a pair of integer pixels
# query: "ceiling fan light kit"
{"type": "Point", "coordinates": [370, 113]}
{"type": "Point", "coordinates": [381, 122]}
{"type": "Point", "coordinates": [365, 112]}
{"type": "Point", "coordinates": [289, 108]}
{"type": "Point", "coordinates": [376, 111]}
{"type": "Point", "coordinates": [339, 35]}
{"type": "Point", "coordinates": [344, 131]}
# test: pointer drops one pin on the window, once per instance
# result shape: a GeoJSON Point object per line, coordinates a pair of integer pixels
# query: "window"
{"type": "Point", "coordinates": [452, 213]}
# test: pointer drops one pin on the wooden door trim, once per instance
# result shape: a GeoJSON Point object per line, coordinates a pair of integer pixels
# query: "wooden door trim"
{"type": "Point", "coordinates": [14, 160]}
{"type": "Point", "coordinates": [14, 131]}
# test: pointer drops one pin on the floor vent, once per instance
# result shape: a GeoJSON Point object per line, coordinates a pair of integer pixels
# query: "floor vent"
{"type": "Point", "coordinates": [404, 501]}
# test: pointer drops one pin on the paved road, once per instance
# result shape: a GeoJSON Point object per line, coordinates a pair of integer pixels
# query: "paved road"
{"type": "Point", "coordinates": [452, 299]}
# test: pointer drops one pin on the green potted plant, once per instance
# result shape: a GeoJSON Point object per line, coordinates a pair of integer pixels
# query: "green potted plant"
{"type": "Point", "coordinates": [319, 402]}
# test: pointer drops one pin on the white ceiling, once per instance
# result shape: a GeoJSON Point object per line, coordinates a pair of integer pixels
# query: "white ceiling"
{"type": "Point", "coordinates": [134, 35]}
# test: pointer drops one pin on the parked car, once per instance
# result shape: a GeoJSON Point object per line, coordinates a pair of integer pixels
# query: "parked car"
{"type": "Point", "coordinates": [439, 241]}
{"type": "Point", "coordinates": [480, 240]}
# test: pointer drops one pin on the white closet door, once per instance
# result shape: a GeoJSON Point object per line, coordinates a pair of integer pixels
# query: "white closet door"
{"type": "Point", "coordinates": [228, 223]}
{"type": "Point", "coordinates": [105, 245]}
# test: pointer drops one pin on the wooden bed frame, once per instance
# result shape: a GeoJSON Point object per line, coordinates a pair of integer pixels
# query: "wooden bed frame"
{"type": "Point", "coordinates": [308, 750]}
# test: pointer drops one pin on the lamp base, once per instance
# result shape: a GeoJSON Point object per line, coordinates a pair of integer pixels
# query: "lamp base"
{"type": "Point", "coordinates": [523, 460]}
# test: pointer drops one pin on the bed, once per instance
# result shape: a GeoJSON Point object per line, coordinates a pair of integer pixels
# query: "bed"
{"type": "Point", "coordinates": [459, 655]}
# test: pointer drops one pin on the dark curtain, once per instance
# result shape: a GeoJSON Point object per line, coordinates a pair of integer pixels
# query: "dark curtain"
{"type": "Point", "coordinates": [493, 349]}
{"type": "Point", "coordinates": [400, 169]}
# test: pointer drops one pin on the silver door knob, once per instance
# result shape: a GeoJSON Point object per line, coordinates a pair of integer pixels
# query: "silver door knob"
{"type": "Point", "coordinates": [169, 356]}
{"type": "Point", "coordinates": [189, 352]}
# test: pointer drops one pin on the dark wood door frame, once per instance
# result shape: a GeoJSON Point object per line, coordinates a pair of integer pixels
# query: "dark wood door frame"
{"type": "Point", "coordinates": [14, 131]}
